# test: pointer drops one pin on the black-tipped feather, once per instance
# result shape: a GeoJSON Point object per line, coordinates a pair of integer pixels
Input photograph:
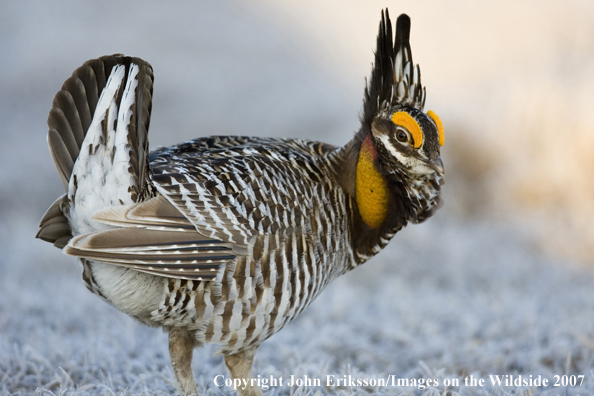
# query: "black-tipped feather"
{"type": "Point", "coordinates": [388, 76]}
{"type": "Point", "coordinates": [380, 85]}
{"type": "Point", "coordinates": [403, 36]}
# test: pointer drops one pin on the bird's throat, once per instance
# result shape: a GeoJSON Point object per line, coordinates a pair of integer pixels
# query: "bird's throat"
{"type": "Point", "coordinates": [371, 187]}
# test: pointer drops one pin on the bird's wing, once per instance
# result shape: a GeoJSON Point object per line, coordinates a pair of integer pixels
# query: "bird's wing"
{"type": "Point", "coordinates": [237, 193]}
{"type": "Point", "coordinates": [154, 237]}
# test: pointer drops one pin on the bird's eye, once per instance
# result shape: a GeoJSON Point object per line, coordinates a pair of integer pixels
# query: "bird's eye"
{"type": "Point", "coordinates": [402, 136]}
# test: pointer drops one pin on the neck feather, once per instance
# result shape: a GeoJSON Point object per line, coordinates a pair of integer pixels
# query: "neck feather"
{"type": "Point", "coordinates": [371, 192]}
{"type": "Point", "coordinates": [378, 205]}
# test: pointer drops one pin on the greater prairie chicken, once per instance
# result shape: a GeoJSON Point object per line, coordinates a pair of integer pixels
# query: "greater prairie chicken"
{"type": "Point", "coordinates": [226, 239]}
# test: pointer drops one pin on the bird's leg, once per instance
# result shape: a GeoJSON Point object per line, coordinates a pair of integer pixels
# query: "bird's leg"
{"type": "Point", "coordinates": [181, 346]}
{"type": "Point", "coordinates": [240, 365]}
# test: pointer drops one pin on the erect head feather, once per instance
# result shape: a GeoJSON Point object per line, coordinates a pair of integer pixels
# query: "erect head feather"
{"type": "Point", "coordinates": [395, 80]}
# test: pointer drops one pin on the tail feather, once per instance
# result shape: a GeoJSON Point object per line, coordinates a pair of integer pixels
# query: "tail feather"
{"type": "Point", "coordinates": [82, 96]}
{"type": "Point", "coordinates": [63, 160]}
{"type": "Point", "coordinates": [74, 115]}
{"type": "Point", "coordinates": [54, 226]}
{"type": "Point", "coordinates": [74, 107]}
{"type": "Point", "coordinates": [143, 117]}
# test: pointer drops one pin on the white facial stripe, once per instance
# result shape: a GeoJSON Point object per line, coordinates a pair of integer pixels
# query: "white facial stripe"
{"type": "Point", "coordinates": [388, 145]}
{"type": "Point", "coordinates": [412, 163]}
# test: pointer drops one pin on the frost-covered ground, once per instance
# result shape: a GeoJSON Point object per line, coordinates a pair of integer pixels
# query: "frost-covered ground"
{"type": "Point", "coordinates": [445, 300]}
{"type": "Point", "coordinates": [476, 290]}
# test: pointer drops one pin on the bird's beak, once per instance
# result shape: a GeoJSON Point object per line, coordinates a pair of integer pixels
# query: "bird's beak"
{"type": "Point", "coordinates": [437, 164]}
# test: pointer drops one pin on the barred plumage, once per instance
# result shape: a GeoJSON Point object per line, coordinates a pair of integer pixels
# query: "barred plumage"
{"type": "Point", "coordinates": [226, 239]}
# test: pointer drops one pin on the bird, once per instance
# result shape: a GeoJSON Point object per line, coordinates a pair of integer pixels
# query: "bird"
{"type": "Point", "coordinates": [226, 239]}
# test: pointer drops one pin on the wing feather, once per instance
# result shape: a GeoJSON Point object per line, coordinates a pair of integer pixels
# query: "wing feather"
{"type": "Point", "coordinates": [154, 237]}
{"type": "Point", "coordinates": [156, 212]}
{"type": "Point", "coordinates": [164, 253]}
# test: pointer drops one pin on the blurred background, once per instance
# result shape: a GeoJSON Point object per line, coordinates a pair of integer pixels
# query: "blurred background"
{"type": "Point", "coordinates": [511, 80]}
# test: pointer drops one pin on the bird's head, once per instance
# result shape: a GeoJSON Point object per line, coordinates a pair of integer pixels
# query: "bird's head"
{"type": "Point", "coordinates": [399, 141]}
{"type": "Point", "coordinates": [408, 141]}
